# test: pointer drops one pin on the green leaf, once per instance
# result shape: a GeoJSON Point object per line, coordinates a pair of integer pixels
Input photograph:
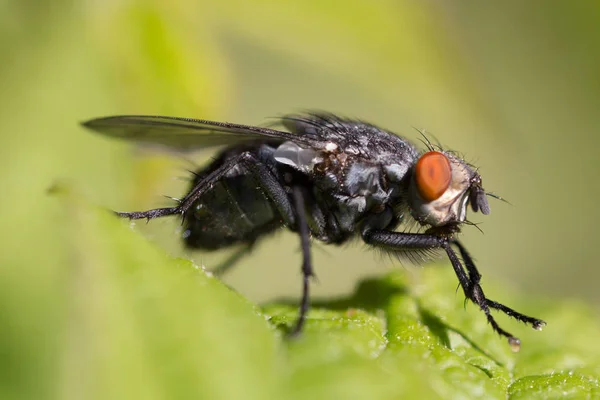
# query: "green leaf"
{"type": "Point", "coordinates": [420, 332]}
{"type": "Point", "coordinates": [143, 325]}
{"type": "Point", "coordinates": [140, 324]}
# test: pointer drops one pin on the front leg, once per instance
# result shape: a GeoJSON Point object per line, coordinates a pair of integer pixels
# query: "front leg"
{"type": "Point", "coordinates": [392, 241]}
{"type": "Point", "coordinates": [537, 324]}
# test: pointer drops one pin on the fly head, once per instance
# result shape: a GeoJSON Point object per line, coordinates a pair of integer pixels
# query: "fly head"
{"type": "Point", "coordinates": [441, 188]}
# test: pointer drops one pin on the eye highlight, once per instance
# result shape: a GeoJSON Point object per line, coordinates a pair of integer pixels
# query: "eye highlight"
{"type": "Point", "coordinates": [433, 174]}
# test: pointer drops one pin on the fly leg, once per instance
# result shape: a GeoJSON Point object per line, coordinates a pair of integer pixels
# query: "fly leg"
{"type": "Point", "coordinates": [469, 281]}
{"type": "Point", "coordinates": [224, 267]}
{"type": "Point", "coordinates": [470, 265]}
{"type": "Point", "coordinates": [273, 189]}
{"type": "Point", "coordinates": [307, 270]}
{"type": "Point", "coordinates": [264, 178]}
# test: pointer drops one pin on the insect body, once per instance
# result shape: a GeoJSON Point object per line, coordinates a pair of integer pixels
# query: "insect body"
{"type": "Point", "coordinates": [328, 178]}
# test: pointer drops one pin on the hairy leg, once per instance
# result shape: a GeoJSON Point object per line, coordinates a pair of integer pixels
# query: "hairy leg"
{"type": "Point", "coordinates": [469, 279]}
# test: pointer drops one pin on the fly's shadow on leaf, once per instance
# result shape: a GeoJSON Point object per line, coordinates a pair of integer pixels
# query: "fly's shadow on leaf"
{"type": "Point", "coordinates": [376, 295]}
{"type": "Point", "coordinates": [436, 326]}
{"type": "Point", "coordinates": [440, 329]}
{"type": "Point", "coordinates": [371, 295]}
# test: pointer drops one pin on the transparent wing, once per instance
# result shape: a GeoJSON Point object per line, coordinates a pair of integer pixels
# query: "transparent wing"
{"type": "Point", "coordinates": [184, 133]}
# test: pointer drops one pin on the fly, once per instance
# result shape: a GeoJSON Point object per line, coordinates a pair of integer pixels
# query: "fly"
{"type": "Point", "coordinates": [323, 177]}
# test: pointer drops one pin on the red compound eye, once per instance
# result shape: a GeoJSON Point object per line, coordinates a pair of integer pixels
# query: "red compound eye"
{"type": "Point", "coordinates": [433, 173]}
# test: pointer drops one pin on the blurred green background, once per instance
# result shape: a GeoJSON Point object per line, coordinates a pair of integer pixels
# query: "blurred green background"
{"type": "Point", "coordinates": [515, 86]}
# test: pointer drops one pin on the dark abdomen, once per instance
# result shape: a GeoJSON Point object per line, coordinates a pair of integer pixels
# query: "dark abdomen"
{"type": "Point", "coordinates": [234, 211]}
